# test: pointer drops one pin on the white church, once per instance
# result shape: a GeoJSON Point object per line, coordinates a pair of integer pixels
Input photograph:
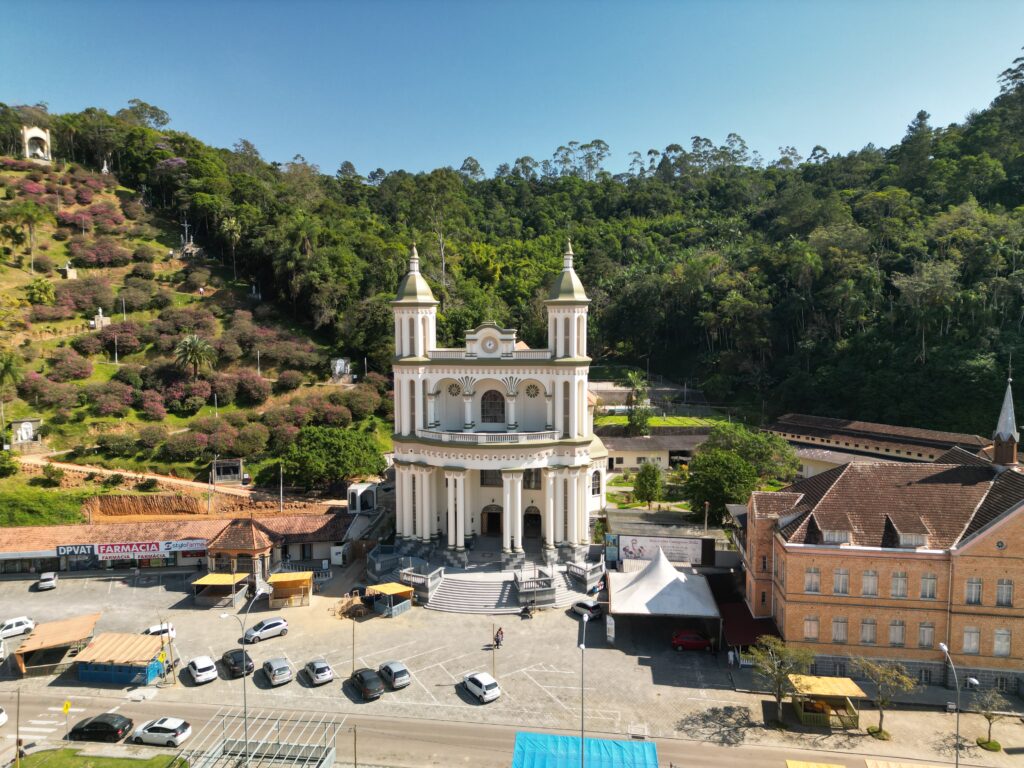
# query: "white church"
{"type": "Point", "coordinates": [494, 442]}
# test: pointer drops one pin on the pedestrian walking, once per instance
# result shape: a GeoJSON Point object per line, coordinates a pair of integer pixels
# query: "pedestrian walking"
{"type": "Point", "coordinates": [732, 658]}
{"type": "Point", "coordinates": [499, 637]}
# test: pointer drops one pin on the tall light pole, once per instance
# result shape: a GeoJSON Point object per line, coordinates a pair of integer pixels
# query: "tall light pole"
{"type": "Point", "coordinates": [583, 655]}
{"type": "Point", "coordinates": [241, 647]}
{"type": "Point", "coordinates": [970, 681]}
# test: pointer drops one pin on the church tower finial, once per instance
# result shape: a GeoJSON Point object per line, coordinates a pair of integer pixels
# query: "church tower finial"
{"type": "Point", "coordinates": [414, 259]}
{"type": "Point", "coordinates": [1006, 437]}
{"type": "Point", "coordinates": [568, 256]}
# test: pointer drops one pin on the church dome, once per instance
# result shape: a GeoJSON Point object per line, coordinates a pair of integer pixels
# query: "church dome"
{"type": "Point", "coordinates": [567, 287]}
{"type": "Point", "coordinates": [413, 288]}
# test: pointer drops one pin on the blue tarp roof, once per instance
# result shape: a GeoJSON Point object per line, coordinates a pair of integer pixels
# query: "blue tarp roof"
{"type": "Point", "coordinates": [541, 750]}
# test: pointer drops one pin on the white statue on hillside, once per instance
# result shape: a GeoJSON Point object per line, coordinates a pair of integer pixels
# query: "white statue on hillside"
{"type": "Point", "coordinates": [25, 432]}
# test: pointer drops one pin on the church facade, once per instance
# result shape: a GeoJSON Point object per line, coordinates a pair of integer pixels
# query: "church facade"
{"type": "Point", "coordinates": [494, 440]}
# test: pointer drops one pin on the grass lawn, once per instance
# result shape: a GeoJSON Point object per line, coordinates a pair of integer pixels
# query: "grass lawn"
{"type": "Point", "coordinates": [70, 758]}
{"type": "Point", "coordinates": [616, 420]}
{"type": "Point", "coordinates": [22, 503]}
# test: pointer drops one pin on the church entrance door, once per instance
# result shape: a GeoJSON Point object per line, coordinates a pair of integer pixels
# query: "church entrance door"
{"type": "Point", "coordinates": [531, 523]}
{"type": "Point", "coordinates": [490, 520]}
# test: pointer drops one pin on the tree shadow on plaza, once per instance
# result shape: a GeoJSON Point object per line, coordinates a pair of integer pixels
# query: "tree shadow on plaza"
{"type": "Point", "coordinates": [727, 726]}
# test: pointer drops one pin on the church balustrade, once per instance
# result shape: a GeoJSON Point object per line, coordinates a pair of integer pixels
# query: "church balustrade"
{"type": "Point", "coordinates": [487, 438]}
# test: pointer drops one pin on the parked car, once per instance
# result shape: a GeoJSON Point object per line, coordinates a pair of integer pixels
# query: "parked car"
{"type": "Point", "coordinates": [237, 662]}
{"type": "Point", "coordinates": [165, 630]}
{"type": "Point", "coordinates": [368, 683]}
{"type": "Point", "coordinates": [319, 672]}
{"type": "Point", "coordinates": [482, 686]}
{"type": "Point", "coordinates": [18, 626]}
{"type": "Point", "coordinates": [395, 674]}
{"type": "Point", "coordinates": [261, 630]}
{"type": "Point", "coordinates": [106, 727]}
{"type": "Point", "coordinates": [278, 671]}
{"type": "Point", "coordinates": [46, 581]}
{"type": "Point", "coordinates": [689, 640]}
{"type": "Point", "coordinates": [3, 716]}
{"type": "Point", "coordinates": [589, 608]}
{"type": "Point", "coordinates": [165, 732]}
{"type": "Point", "coordinates": [202, 669]}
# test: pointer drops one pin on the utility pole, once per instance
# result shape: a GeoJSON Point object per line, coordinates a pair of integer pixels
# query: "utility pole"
{"type": "Point", "coordinates": [124, 312]}
{"type": "Point", "coordinates": [115, 349]}
{"type": "Point", "coordinates": [258, 372]}
{"type": "Point", "coordinates": [17, 731]}
{"type": "Point", "coordinates": [280, 486]}
{"type": "Point", "coordinates": [707, 507]}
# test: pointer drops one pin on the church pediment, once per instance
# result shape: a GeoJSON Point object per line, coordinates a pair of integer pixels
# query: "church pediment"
{"type": "Point", "coordinates": [490, 340]}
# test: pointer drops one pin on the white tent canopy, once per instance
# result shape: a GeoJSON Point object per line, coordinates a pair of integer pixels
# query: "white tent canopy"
{"type": "Point", "coordinates": [660, 590]}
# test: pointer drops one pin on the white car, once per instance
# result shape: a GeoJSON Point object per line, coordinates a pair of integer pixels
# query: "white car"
{"type": "Point", "coordinates": [165, 732]}
{"type": "Point", "coordinates": [165, 630]}
{"type": "Point", "coordinates": [47, 581]}
{"type": "Point", "coordinates": [482, 686]}
{"type": "Point", "coordinates": [18, 626]}
{"type": "Point", "coordinates": [261, 630]}
{"type": "Point", "coordinates": [202, 669]}
{"type": "Point", "coordinates": [3, 716]}
{"type": "Point", "coordinates": [319, 672]}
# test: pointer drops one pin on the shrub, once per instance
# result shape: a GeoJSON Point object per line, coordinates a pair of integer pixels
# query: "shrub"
{"type": "Point", "coordinates": [151, 436]}
{"type": "Point", "coordinates": [40, 313]}
{"type": "Point", "coordinates": [378, 382]}
{"type": "Point", "coordinates": [134, 298]}
{"type": "Point", "coordinates": [222, 439]}
{"type": "Point", "coordinates": [252, 440]}
{"type": "Point", "coordinates": [185, 446]}
{"type": "Point", "coordinates": [149, 484]}
{"type": "Point", "coordinates": [86, 295]}
{"type": "Point", "coordinates": [83, 195]}
{"type": "Point", "coordinates": [88, 345]}
{"type": "Point", "coordinates": [116, 444]}
{"type": "Point", "coordinates": [252, 389]}
{"type": "Point", "coordinates": [362, 400]}
{"type": "Point", "coordinates": [35, 389]}
{"type": "Point", "coordinates": [197, 278]}
{"type": "Point", "coordinates": [236, 418]}
{"type": "Point", "coordinates": [146, 254]}
{"type": "Point", "coordinates": [143, 271]}
{"type": "Point", "coordinates": [289, 380]}
{"type": "Point", "coordinates": [103, 252]}
{"type": "Point", "coordinates": [133, 209]}
{"type": "Point", "coordinates": [130, 375]}
{"type": "Point", "coordinates": [161, 300]}
{"type": "Point", "coordinates": [113, 480]}
{"type": "Point", "coordinates": [110, 399]}
{"type": "Point", "coordinates": [225, 386]}
{"type": "Point", "coordinates": [44, 263]}
{"type": "Point", "coordinates": [68, 365]}
{"type": "Point", "coordinates": [283, 435]}
{"type": "Point", "coordinates": [151, 403]}
{"type": "Point", "coordinates": [53, 474]}
{"type": "Point", "coordinates": [228, 349]}
{"type": "Point", "coordinates": [41, 291]}
{"type": "Point", "coordinates": [8, 465]}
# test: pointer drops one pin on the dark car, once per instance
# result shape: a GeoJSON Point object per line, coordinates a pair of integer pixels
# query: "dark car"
{"type": "Point", "coordinates": [105, 727]}
{"type": "Point", "coordinates": [690, 640]}
{"type": "Point", "coordinates": [368, 683]}
{"type": "Point", "coordinates": [234, 664]}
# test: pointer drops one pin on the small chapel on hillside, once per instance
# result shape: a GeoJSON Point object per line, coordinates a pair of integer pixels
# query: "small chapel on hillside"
{"type": "Point", "coordinates": [494, 441]}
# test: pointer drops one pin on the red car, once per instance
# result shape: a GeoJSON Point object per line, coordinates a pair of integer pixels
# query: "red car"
{"type": "Point", "coordinates": [689, 640]}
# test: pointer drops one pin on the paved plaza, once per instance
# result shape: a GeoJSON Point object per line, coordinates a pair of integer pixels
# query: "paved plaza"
{"type": "Point", "coordinates": [641, 687]}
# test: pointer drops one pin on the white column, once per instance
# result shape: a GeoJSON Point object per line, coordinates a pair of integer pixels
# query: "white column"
{"type": "Point", "coordinates": [549, 401]}
{"type": "Point", "coordinates": [421, 407]}
{"type": "Point", "coordinates": [573, 410]}
{"type": "Point", "coordinates": [572, 514]}
{"type": "Point", "coordinates": [398, 338]}
{"type": "Point", "coordinates": [517, 509]}
{"type": "Point", "coordinates": [581, 507]}
{"type": "Point", "coordinates": [572, 336]}
{"type": "Point", "coordinates": [510, 412]}
{"type": "Point", "coordinates": [461, 510]}
{"type": "Point", "coordinates": [506, 507]}
{"type": "Point", "coordinates": [402, 405]}
{"type": "Point", "coordinates": [431, 409]}
{"type": "Point", "coordinates": [550, 538]}
{"type": "Point", "coordinates": [557, 387]}
{"type": "Point", "coordinates": [559, 477]}
{"type": "Point", "coordinates": [552, 335]}
{"type": "Point", "coordinates": [450, 477]}
{"type": "Point", "coordinates": [583, 340]}
{"type": "Point", "coordinates": [467, 408]}
{"type": "Point", "coordinates": [407, 502]}
{"type": "Point", "coordinates": [399, 499]}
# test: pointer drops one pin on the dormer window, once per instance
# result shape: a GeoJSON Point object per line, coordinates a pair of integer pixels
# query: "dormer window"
{"type": "Point", "coordinates": [912, 540]}
{"type": "Point", "coordinates": [836, 537]}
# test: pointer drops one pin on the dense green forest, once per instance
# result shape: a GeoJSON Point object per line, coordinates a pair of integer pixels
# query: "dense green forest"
{"type": "Point", "coordinates": [883, 284]}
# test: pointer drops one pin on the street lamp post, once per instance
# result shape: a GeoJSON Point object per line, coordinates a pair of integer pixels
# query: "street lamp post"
{"type": "Point", "coordinates": [970, 681]}
{"type": "Point", "coordinates": [583, 654]}
{"type": "Point", "coordinates": [241, 646]}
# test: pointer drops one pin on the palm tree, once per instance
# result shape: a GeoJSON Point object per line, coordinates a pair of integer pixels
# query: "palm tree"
{"type": "Point", "coordinates": [232, 232]}
{"type": "Point", "coordinates": [194, 352]}
{"type": "Point", "coordinates": [10, 374]}
{"type": "Point", "coordinates": [29, 214]}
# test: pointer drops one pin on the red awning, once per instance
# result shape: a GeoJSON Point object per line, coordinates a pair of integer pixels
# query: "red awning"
{"type": "Point", "coordinates": [740, 627]}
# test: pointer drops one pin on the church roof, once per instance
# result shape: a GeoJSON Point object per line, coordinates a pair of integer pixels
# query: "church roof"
{"type": "Point", "coordinates": [567, 288]}
{"type": "Point", "coordinates": [413, 288]}
{"type": "Point", "coordinates": [1006, 428]}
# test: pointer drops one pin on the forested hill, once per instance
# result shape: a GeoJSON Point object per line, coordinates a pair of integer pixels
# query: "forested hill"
{"type": "Point", "coordinates": [885, 284]}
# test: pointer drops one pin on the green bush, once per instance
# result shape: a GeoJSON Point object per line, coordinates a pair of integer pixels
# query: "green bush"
{"type": "Point", "coordinates": [8, 465]}
{"type": "Point", "coordinates": [149, 484]}
{"type": "Point", "coordinates": [114, 480]}
{"type": "Point", "coordinates": [53, 474]}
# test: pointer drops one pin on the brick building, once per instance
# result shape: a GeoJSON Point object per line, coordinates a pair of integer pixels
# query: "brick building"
{"type": "Point", "coordinates": [887, 560]}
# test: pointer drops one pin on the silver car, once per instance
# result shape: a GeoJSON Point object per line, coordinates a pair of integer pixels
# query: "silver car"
{"type": "Point", "coordinates": [261, 630]}
{"type": "Point", "coordinates": [278, 671]}
{"type": "Point", "coordinates": [395, 674]}
{"type": "Point", "coordinates": [47, 581]}
{"type": "Point", "coordinates": [319, 672]}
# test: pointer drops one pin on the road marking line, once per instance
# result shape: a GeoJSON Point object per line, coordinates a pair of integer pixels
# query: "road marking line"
{"type": "Point", "coordinates": [553, 697]}
{"type": "Point", "coordinates": [112, 711]}
{"type": "Point", "coordinates": [61, 709]}
{"type": "Point", "coordinates": [31, 729]}
{"type": "Point", "coordinates": [45, 722]}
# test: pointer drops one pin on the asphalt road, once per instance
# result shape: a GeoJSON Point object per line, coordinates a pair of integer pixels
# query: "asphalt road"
{"type": "Point", "coordinates": [383, 741]}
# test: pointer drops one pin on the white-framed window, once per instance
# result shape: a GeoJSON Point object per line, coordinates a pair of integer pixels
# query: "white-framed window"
{"type": "Point", "coordinates": [618, 460]}
{"type": "Point", "coordinates": [899, 584]}
{"type": "Point", "coordinates": [595, 483]}
{"type": "Point", "coordinates": [924, 676]}
{"type": "Point", "coordinates": [532, 479]}
{"type": "Point", "coordinates": [836, 537]}
{"type": "Point", "coordinates": [926, 635]}
{"type": "Point", "coordinates": [839, 634]}
{"type": "Point", "coordinates": [897, 632]}
{"type": "Point", "coordinates": [929, 582]}
{"type": "Point", "coordinates": [810, 628]}
{"type": "Point", "coordinates": [869, 584]}
{"type": "Point", "coordinates": [1001, 642]}
{"type": "Point", "coordinates": [868, 632]}
{"type": "Point", "coordinates": [1004, 593]}
{"type": "Point", "coordinates": [841, 581]}
{"type": "Point", "coordinates": [912, 540]}
{"type": "Point", "coordinates": [973, 592]}
{"type": "Point", "coordinates": [812, 580]}
{"type": "Point", "coordinates": [972, 640]}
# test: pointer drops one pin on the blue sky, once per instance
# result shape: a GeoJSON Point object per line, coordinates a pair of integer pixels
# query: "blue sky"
{"type": "Point", "coordinates": [418, 85]}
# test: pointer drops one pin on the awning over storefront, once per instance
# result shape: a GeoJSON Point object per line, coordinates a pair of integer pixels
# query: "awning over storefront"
{"type": "Point", "coordinates": [660, 590]}
{"type": "Point", "coordinates": [891, 764]}
{"type": "Point", "coordinates": [544, 750]}
{"type": "Point", "coordinates": [810, 685]}
{"type": "Point", "coordinates": [120, 648]}
{"type": "Point", "coordinates": [805, 764]}
{"type": "Point", "coordinates": [391, 588]}
{"type": "Point", "coordinates": [220, 580]}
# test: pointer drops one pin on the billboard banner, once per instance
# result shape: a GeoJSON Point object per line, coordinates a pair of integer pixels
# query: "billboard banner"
{"type": "Point", "coordinates": [135, 550]}
{"type": "Point", "coordinates": [676, 549]}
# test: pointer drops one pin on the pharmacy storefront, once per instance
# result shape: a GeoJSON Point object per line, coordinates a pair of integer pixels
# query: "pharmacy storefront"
{"type": "Point", "coordinates": [134, 554]}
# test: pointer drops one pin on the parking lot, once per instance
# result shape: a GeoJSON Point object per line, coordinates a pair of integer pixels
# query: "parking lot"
{"type": "Point", "coordinates": [538, 667]}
